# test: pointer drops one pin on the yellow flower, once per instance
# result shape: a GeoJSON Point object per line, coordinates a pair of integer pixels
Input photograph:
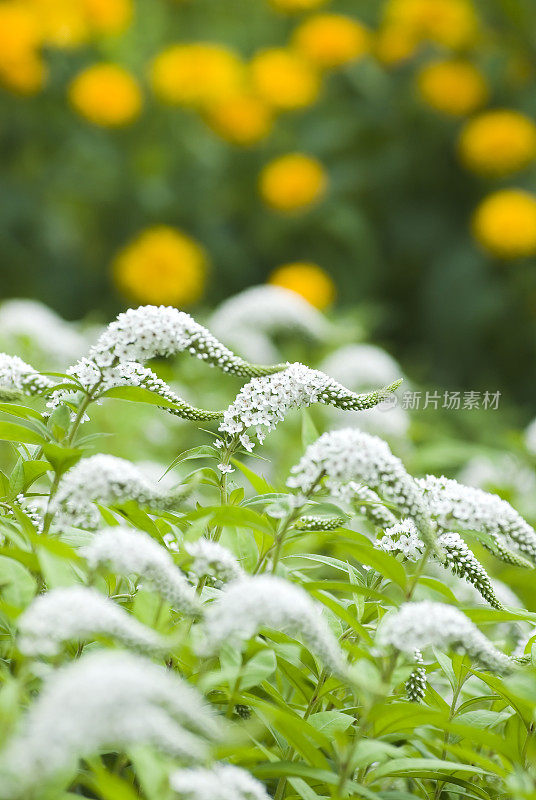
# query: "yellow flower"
{"type": "Point", "coordinates": [106, 94]}
{"type": "Point", "coordinates": [21, 67]}
{"type": "Point", "coordinates": [292, 182]}
{"type": "Point", "coordinates": [284, 79]}
{"type": "Point", "coordinates": [330, 40]}
{"type": "Point", "coordinates": [297, 5]}
{"type": "Point", "coordinates": [394, 45]}
{"type": "Point", "coordinates": [242, 118]}
{"type": "Point", "coordinates": [498, 142]}
{"type": "Point", "coordinates": [25, 75]}
{"type": "Point", "coordinates": [64, 22]}
{"type": "Point", "coordinates": [108, 16]}
{"type": "Point", "coordinates": [196, 74]}
{"type": "Point", "coordinates": [452, 23]}
{"type": "Point", "coordinates": [452, 87]}
{"type": "Point", "coordinates": [505, 223]}
{"type": "Point", "coordinates": [161, 266]}
{"type": "Point", "coordinates": [307, 279]}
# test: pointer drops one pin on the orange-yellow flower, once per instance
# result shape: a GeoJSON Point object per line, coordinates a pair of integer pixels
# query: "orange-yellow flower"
{"type": "Point", "coordinates": [196, 74]}
{"type": "Point", "coordinates": [284, 79]}
{"type": "Point", "coordinates": [331, 40]}
{"type": "Point", "coordinates": [498, 142]}
{"type": "Point", "coordinates": [106, 94]}
{"type": "Point", "coordinates": [21, 67]}
{"type": "Point", "coordinates": [395, 44]}
{"type": "Point", "coordinates": [108, 16]}
{"type": "Point", "coordinates": [452, 23]}
{"type": "Point", "coordinates": [505, 223]}
{"type": "Point", "coordinates": [307, 279]}
{"type": "Point", "coordinates": [292, 182]}
{"type": "Point", "coordinates": [297, 5]}
{"type": "Point", "coordinates": [452, 87]}
{"type": "Point", "coordinates": [64, 22]}
{"type": "Point", "coordinates": [162, 266]}
{"type": "Point", "coordinates": [241, 118]}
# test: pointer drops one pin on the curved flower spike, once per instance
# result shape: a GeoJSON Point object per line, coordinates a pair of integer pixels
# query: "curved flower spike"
{"type": "Point", "coordinates": [19, 378]}
{"type": "Point", "coordinates": [462, 562]}
{"type": "Point", "coordinates": [454, 505]}
{"type": "Point", "coordinates": [126, 552]}
{"type": "Point", "coordinates": [220, 782]}
{"type": "Point", "coordinates": [263, 402]}
{"type": "Point", "coordinates": [104, 700]}
{"type": "Point", "coordinates": [416, 683]}
{"type": "Point", "coordinates": [149, 331]}
{"type": "Point", "coordinates": [427, 624]}
{"type": "Point", "coordinates": [106, 480]}
{"type": "Point", "coordinates": [80, 613]}
{"type": "Point", "coordinates": [265, 601]}
{"type": "Point", "coordinates": [347, 456]}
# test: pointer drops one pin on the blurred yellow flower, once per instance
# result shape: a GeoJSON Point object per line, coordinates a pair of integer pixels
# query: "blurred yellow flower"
{"type": "Point", "coordinates": [394, 45]}
{"type": "Point", "coordinates": [64, 22]}
{"type": "Point", "coordinates": [284, 79]}
{"type": "Point", "coordinates": [307, 279]}
{"type": "Point", "coordinates": [196, 74]}
{"type": "Point", "coordinates": [106, 94]}
{"type": "Point", "coordinates": [108, 16]}
{"type": "Point", "coordinates": [498, 142]}
{"type": "Point", "coordinates": [297, 5]}
{"type": "Point", "coordinates": [292, 182]}
{"type": "Point", "coordinates": [25, 75]}
{"type": "Point", "coordinates": [505, 223]}
{"type": "Point", "coordinates": [162, 266]}
{"type": "Point", "coordinates": [242, 118]}
{"type": "Point", "coordinates": [452, 23]}
{"type": "Point", "coordinates": [21, 66]}
{"type": "Point", "coordinates": [452, 87]}
{"type": "Point", "coordinates": [330, 40]}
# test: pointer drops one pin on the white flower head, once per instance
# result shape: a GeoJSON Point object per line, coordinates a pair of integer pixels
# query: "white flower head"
{"type": "Point", "coordinates": [212, 560]}
{"type": "Point", "coordinates": [220, 782]}
{"type": "Point", "coordinates": [80, 613]}
{"type": "Point", "coordinates": [264, 402]}
{"type": "Point", "coordinates": [416, 626]}
{"type": "Point", "coordinates": [265, 601]}
{"type": "Point", "coordinates": [104, 700]}
{"type": "Point", "coordinates": [129, 552]}
{"type": "Point", "coordinates": [17, 377]}
{"type": "Point", "coordinates": [403, 538]}
{"type": "Point", "coordinates": [225, 469]}
{"type": "Point", "coordinates": [106, 480]}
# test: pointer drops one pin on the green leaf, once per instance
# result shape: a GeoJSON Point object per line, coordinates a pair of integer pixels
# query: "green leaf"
{"type": "Point", "coordinates": [259, 483]}
{"type": "Point", "coordinates": [258, 669]}
{"type": "Point", "coordinates": [417, 766]}
{"type": "Point", "coordinates": [17, 585]}
{"type": "Point", "coordinates": [331, 722]}
{"type": "Point", "coordinates": [61, 458]}
{"type": "Point", "coordinates": [309, 433]}
{"type": "Point", "coordinates": [11, 432]}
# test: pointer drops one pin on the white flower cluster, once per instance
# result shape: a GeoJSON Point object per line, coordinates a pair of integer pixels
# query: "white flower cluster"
{"type": "Point", "coordinates": [104, 700]}
{"type": "Point", "coordinates": [212, 560]}
{"type": "Point", "coordinates": [462, 562]}
{"type": "Point", "coordinates": [129, 552]}
{"type": "Point", "coordinates": [362, 366]}
{"type": "Point", "coordinates": [79, 613]}
{"type": "Point", "coordinates": [17, 377]}
{"type": "Point", "coordinates": [265, 601]}
{"type": "Point", "coordinates": [402, 538]}
{"type": "Point", "coordinates": [347, 456]}
{"type": "Point", "coordinates": [248, 320]}
{"type": "Point", "coordinates": [263, 402]}
{"type": "Point", "coordinates": [140, 334]}
{"type": "Point", "coordinates": [27, 326]}
{"type": "Point", "coordinates": [427, 624]}
{"type": "Point", "coordinates": [313, 522]}
{"type": "Point", "coordinates": [370, 505]}
{"type": "Point", "coordinates": [453, 504]}
{"type": "Point", "coordinates": [106, 480]}
{"type": "Point", "coordinates": [220, 782]}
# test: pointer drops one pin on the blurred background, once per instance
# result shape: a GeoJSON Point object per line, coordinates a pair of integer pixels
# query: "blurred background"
{"type": "Point", "coordinates": [376, 157]}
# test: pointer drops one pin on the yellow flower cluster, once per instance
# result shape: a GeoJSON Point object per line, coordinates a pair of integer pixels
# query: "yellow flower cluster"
{"type": "Point", "coordinates": [21, 67]}
{"type": "Point", "coordinates": [451, 23]}
{"type": "Point", "coordinates": [162, 266]}
{"type": "Point", "coordinates": [107, 95]}
{"type": "Point", "coordinates": [306, 279]}
{"type": "Point", "coordinates": [505, 223]}
{"type": "Point", "coordinates": [498, 142]}
{"type": "Point", "coordinates": [452, 87]}
{"type": "Point", "coordinates": [292, 182]}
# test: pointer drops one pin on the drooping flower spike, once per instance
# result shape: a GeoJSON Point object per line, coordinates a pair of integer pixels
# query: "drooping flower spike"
{"type": "Point", "coordinates": [454, 505]}
{"type": "Point", "coordinates": [263, 402]}
{"type": "Point", "coordinates": [220, 782]}
{"type": "Point", "coordinates": [265, 601]}
{"type": "Point", "coordinates": [106, 480]}
{"type": "Point", "coordinates": [19, 378]}
{"type": "Point", "coordinates": [130, 552]}
{"type": "Point", "coordinates": [348, 457]}
{"type": "Point", "coordinates": [104, 700]}
{"type": "Point", "coordinates": [416, 626]}
{"type": "Point", "coordinates": [313, 522]}
{"type": "Point", "coordinates": [79, 613]}
{"type": "Point", "coordinates": [416, 683]}
{"type": "Point", "coordinates": [212, 560]}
